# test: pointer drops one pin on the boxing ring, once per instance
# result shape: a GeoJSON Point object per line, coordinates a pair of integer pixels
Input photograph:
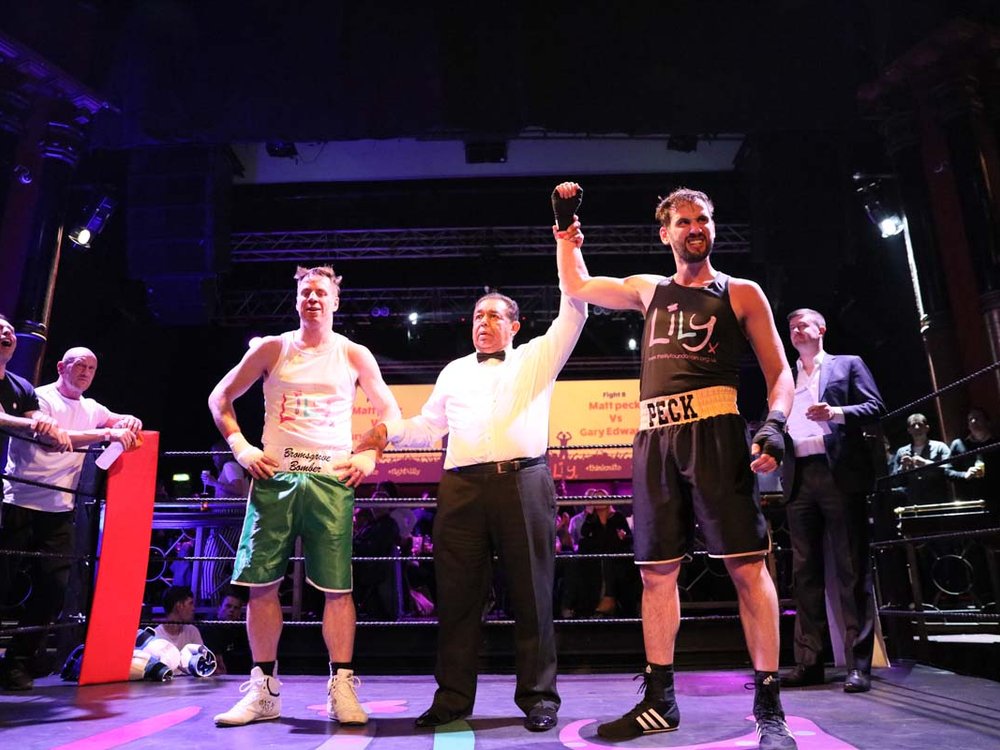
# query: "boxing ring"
{"type": "Point", "coordinates": [916, 600]}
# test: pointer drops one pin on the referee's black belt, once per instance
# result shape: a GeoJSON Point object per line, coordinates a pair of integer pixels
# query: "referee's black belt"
{"type": "Point", "coordinates": [499, 467]}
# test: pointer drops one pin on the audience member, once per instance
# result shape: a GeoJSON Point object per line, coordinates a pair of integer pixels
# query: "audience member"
{"type": "Point", "coordinates": [230, 479]}
{"type": "Point", "coordinates": [599, 586]}
{"type": "Point", "coordinates": [21, 413]}
{"type": "Point", "coordinates": [375, 535]}
{"type": "Point", "coordinates": [564, 541]}
{"type": "Point", "coordinates": [39, 519]}
{"type": "Point", "coordinates": [974, 473]}
{"type": "Point", "coordinates": [178, 626]}
{"type": "Point", "coordinates": [229, 642]}
{"type": "Point", "coordinates": [929, 485]}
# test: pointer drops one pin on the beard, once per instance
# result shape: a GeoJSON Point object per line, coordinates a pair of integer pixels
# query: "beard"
{"type": "Point", "coordinates": [695, 256]}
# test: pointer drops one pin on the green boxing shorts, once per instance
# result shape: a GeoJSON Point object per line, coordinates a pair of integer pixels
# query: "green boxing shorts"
{"type": "Point", "coordinates": [316, 507]}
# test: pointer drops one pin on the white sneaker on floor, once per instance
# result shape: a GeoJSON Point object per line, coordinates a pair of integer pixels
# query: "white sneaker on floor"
{"type": "Point", "coordinates": [342, 699]}
{"type": "Point", "coordinates": [261, 702]}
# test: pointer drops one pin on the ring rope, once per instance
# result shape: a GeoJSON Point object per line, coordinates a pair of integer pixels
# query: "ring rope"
{"type": "Point", "coordinates": [946, 615]}
{"type": "Point", "coordinates": [47, 486]}
{"type": "Point", "coordinates": [421, 622]}
{"type": "Point", "coordinates": [945, 389]}
{"type": "Point", "coordinates": [57, 555]}
{"type": "Point", "coordinates": [936, 537]}
{"type": "Point", "coordinates": [198, 503]}
{"type": "Point", "coordinates": [21, 436]}
{"type": "Point", "coordinates": [593, 447]}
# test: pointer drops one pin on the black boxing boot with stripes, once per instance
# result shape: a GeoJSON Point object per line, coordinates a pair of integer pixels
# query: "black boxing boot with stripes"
{"type": "Point", "coordinates": [656, 712]}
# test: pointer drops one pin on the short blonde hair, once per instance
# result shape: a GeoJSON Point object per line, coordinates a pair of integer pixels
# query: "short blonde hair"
{"type": "Point", "coordinates": [324, 272]}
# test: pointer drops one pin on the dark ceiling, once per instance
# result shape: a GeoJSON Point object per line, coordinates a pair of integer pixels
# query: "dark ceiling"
{"type": "Point", "coordinates": [231, 70]}
{"type": "Point", "coordinates": [785, 73]}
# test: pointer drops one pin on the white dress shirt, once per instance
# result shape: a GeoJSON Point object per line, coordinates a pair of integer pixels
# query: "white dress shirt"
{"type": "Point", "coordinates": [807, 434]}
{"type": "Point", "coordinates": [493, 410]}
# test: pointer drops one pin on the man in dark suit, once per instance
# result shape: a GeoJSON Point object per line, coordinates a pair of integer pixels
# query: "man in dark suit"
{"type": "Point", "coordinates": [826, 487]}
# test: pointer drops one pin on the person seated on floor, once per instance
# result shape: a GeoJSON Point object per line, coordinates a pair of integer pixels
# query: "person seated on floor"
{"type": "Point", "coordinates": [178, 626]}
{"type": "Point", "coordinates": [229, 642]}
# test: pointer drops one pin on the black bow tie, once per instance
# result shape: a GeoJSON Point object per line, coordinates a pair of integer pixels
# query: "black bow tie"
{"type": "Point", "coordinates": [483, 356]}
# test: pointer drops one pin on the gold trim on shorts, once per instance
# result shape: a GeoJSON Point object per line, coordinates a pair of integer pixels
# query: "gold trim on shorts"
{"type": "Point", "coordinates": [690, 406]}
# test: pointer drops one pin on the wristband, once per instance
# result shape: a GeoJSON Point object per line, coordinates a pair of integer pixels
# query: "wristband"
{"type": "Point", "coordinates": [237, 443]}
{"type": "Point", "coordinates": [364, 462]}
{"type": "Point", "coordinates": [777, 416]}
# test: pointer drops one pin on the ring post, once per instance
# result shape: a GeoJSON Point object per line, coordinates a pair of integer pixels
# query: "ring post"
{"type": "Point", "coordinates": [123, 556]}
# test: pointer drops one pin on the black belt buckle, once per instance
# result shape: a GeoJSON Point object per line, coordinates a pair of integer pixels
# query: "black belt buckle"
{"type": "Point", "coordinates": [505, 467]}
{"type": "Point", "coordinates": [508, 467]}
{"type": "Point", "coordinates": [500, 467]}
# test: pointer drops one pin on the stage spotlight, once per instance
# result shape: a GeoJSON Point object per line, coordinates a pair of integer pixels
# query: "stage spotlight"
{"type": "Point", "coordinates": [96, 217]}
{"type": "Point", "coordinates": [878, 206]}
{"type": "Point", "coordinates": [890, 226]}
{"type": "Point", "coordinates": [879, 198]}
{"type": "Point", "coordinates": [413, 318]}
{"type": "Point", "coordinates": [633, 345]}
{"type": "Point", "coordinates": [254, 341]}
{"type": "Point", "coordinates": [80, 236]}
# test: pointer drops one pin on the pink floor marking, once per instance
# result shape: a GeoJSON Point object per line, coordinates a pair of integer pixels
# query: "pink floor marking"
{"type": "Point", "coordinates": [132, 732]}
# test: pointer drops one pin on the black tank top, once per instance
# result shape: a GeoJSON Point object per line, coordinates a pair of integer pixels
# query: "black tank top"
{"type": "Point", "coordinates": [691, 339]}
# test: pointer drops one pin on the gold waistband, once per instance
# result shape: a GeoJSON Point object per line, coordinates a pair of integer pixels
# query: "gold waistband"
{"type": "Point", "coordinates": [690, 406]}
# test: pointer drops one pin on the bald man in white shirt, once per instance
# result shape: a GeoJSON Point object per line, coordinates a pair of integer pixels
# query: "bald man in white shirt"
{"type": "Point", "coordinates": [496, 495]}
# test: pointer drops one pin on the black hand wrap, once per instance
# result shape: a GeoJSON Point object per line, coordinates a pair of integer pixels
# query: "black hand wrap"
{"type": "Point", "coordinates": [771, 435]}
{"type": "Point", "coordinates": [565, 208]}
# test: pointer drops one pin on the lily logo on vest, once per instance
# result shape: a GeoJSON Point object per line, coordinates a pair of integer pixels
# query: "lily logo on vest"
{"type": "Point", "coordinates": [675, 330]}
{"type": "Point", "coordinates": [671, 409]}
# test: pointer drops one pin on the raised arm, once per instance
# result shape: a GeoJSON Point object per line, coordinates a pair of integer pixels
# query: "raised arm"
{"type": "Point", "coordinates": [254, 365]}
{"type": "Point", "coordinates": [631, 293]}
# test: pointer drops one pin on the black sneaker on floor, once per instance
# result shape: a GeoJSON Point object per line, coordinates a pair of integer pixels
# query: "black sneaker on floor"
{"type": "Point", "coordinates": [773, 734]}
{"type": "Point", "coordinates": [648, 717]}
{"type": "Point", "coordinates": [14, 675]}
{"type": "Point", "coordinates": [772, 731]}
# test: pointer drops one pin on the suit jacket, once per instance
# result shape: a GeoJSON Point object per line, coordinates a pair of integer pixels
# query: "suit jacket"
{"type": "Point", "coordinates": [844, 381]}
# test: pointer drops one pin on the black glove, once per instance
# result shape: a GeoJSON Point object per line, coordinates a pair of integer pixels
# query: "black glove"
{"type": "Point", "coordinates": [566, 208]}
{"type": "Point", "coordinates": [771, 435]}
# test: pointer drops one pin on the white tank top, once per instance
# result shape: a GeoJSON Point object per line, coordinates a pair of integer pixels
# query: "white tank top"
{"type": "Point", "coordinates": [308, 398]}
